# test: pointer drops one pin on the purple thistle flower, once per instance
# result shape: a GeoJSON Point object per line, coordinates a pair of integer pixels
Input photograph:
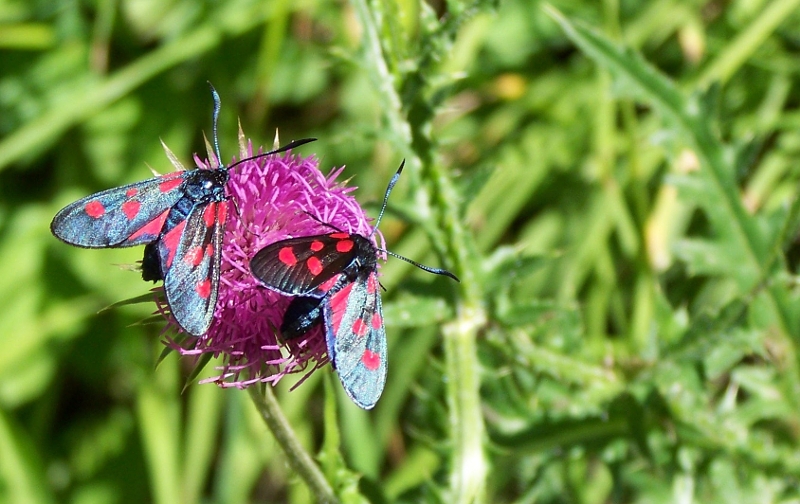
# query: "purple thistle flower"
{"type": "Point", "coordinates": [272, 198]}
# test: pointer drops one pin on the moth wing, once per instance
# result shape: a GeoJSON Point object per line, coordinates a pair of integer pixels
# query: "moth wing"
{"type": "Point", "coordinates": [356, 339]}
{"type": "Point", "coordinates": [190, 258]}
{"type": "Point", "coordinates": [124, 216]}
{"type": "Point", "coordinates": [305, 266]}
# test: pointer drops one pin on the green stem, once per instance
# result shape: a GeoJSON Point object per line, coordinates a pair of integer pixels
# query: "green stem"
{"type": "Point", "coordinates": [299, 460]}
{"type": "Point", "coordinates": [383, 80]}
{"type": "Point", "coordinates": [469, 464]}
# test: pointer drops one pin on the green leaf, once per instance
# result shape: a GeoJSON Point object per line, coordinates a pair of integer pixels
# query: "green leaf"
{"type": "Point", "coordinates": [199, 365]}
{"type": "Point", "coordinates": [727, 213]}
{"type": "Point", "coordinates": [514, 312]}
{"type": "Point", "coordinates": [21, 471]}
{"type": "Point", "coordinates": [592, 433]}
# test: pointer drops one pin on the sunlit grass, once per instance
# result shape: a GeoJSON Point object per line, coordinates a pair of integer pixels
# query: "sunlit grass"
{"type": "Point", "coordinates": [614, 183]}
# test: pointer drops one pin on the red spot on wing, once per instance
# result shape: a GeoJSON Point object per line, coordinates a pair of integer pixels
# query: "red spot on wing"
{"type": "Point", "coordinates": [371, 360]}
{"type": "Point", "coordinates": [170, 184]}
{"type": "Point", "coordinates": [194, 256]}
{"type": "Point", "coordinates": [152, 228]}
{"type": "Point", "coordinates": [328, 284]}
{"type": "Point", "coordinates": [377, 321]}
{"type": "Point", "coordinates": [171, 239]}
{"type": "Point", "coordinates": [204, 288]}
{"type": "Point", "coordinates": [316, 245]}
{"type": "Point", "coordinates": [286, 256]}
{"type": "Point", "coordinates": [131, 209]}
{"type": "Point", "coordinates": [131, 192]}
{"type": "Point", "coordinates": [360, 328]}
{"type": "Point", "coordinates": [314, 265]}
{"type": "Point", "coordinates": [339, 236]}
{"type": "Point", "coordinates": [210, 214]}
{"type": "Point", "coordinates": [222, 214]}
{"type": "Point", "coordinates": [209, 250]}
{"type": "Point", "coordinates": [344, 246]}
{"type": "Point", "coordinates": [339, 307]}
{"type": "Point", "coordinates": [94, 209]}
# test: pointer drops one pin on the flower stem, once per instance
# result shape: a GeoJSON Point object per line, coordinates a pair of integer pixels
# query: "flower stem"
{"type": "Point", "coordinates": [299, 460]}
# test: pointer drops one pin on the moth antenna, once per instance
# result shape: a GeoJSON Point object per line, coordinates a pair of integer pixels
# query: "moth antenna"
{"type": "Point", "coordinates": [386, 196]}
{"type": "Point", "coordinates": [435, 271]}
{"type": "Point", "coordinates": [289, 146]}
{"type": "Point", "coordinates": [212, 156]}
{"type": "Point", "coordinates": [323, 223]}
{"type": "Point", "coordinates": [236, 207]}
{"type": "Point", "coordinates": [217, 106]}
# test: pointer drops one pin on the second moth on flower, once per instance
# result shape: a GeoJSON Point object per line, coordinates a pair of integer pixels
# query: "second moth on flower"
{"type": "Point", "coordinates": [334, 279]}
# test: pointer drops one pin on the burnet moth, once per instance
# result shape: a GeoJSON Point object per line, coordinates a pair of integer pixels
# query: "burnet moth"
{"type": "Point", "coordinates": [179, 217]}
{"type": "Point", "coordinates": [334, 277]}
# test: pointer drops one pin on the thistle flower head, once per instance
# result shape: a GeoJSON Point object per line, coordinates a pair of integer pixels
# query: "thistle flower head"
{"type": "Point", "coordinates": [272, 198]}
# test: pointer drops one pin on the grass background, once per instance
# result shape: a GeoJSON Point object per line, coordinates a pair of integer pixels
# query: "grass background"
{"type": "Point", "coordinates": [613, 181]}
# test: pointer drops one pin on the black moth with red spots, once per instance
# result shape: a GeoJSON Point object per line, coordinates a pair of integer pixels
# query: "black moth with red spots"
{"type": "Point", "coordinates": [334, 277]}
{"type": "Point", "coordinates": [179, 217]}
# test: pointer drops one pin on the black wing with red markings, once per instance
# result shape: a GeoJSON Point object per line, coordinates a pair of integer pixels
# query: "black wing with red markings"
{"type": "Point", "coordinates": [333, 276]}
{"type": "Point", "coordinates": [310, 265]}
{"type": "Point", "coordinates": [336, 274]}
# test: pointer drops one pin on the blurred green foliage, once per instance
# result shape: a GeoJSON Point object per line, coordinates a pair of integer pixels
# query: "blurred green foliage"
{"type": "Point", "coordinates": [613, 181]}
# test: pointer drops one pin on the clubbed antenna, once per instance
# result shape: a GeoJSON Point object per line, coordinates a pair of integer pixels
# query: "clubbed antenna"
{"type": "Point", "coordinates": [386, 196]}
{"type": "Point", "coordinates": [217, 106]}
{"type": "Point", "coordinates": [435, 271]}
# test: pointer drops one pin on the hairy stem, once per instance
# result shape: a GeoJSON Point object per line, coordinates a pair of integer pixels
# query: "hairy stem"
{"type": "Point", "coordinates": [468, 460]}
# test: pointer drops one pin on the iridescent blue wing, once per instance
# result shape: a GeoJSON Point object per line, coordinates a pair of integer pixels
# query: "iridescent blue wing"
{"type": "Point", "coordinates": [120, 217]}
{"type": "Point", "coordinates": [190, 255]}
{"type": "Point", "coordinates": [356, 339]}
